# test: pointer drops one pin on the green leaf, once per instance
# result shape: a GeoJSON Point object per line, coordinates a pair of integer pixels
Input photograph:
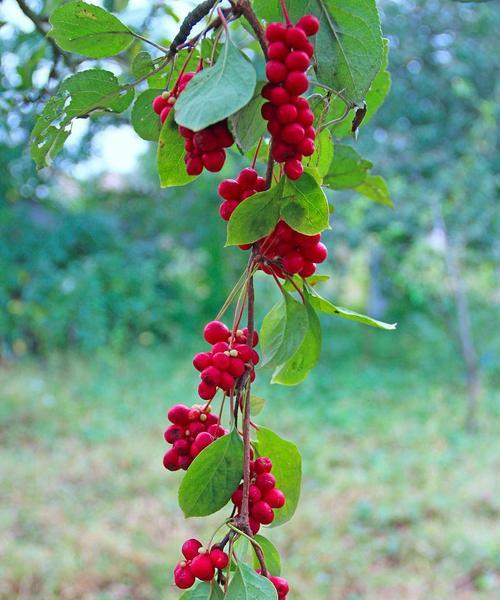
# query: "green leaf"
{"type": "Point", "coordinates": [328, 308]}
{"type": "Point", "coordinates": [375, 188]}
{"type": "Point", "coordinates": [305, 207]}
{"type": "Point", "coordinates": [212, 477]}
{"type": "Point", "coordinates": [256, 217]}
{"type": "Point", "coordinates": [256, 405]}
{"type": "Point", "coordinates": [269, 10]}
{"type": "Point", "coordinates": [217, 92]}
{"type": "Point", "coordinates": [323, 154]}
{"type": "Point", "coordinates": [89, 30]}
{"type": "Point", "coordinates": [170, 155]}
{"type": "Point", "coordinates": [271, 556]}
{"type": "Point", "coordinates": [348, 169]}
{"type": "Point", "coordinates": [81, 94]}
{"type": "Point", "coordinates": [145, 121]}
{"type": "Point", "coordinates": [287, 468]}
{"type": "Point", "coordinates": [142, 64]}
{"type": "Point", "coordinates": [283, 330]}
{"type": "Point", "coordinates": [246, 584]}
{"type": "Point", "coordinates": [203, 591]}
{"type": "Point", "coordinates": [348, 46]}
{"type": "Point", "coordinates": [247, 124]}
{"type": "Point", "coordinates": [297, 368]}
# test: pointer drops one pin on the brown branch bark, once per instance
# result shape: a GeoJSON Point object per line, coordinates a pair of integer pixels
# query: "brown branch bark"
{"type": "Point", "coordinates": [244, 8]}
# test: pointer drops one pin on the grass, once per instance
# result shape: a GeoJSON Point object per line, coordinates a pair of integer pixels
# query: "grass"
{"type": "Point", "coordinates": [398, 502]}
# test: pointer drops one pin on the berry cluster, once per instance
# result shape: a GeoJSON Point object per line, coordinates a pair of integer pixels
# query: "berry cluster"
{"type": "Point", "coordinates": [199, 563]}
{"type": "Point", "coordinates": [289, 115]}
{"type": "Point", "coordinates": [234, 191]}
{"type": "Point", "coordinates": [205, 148]}
{"type": "Point", "coordinates": [192, 430]}
{"type": "Point", "coordinates": [296, 252]}
{"type": "Point", "coordinates": [264, 496]}
{"type": "Point", "coordinates": [226, 361]}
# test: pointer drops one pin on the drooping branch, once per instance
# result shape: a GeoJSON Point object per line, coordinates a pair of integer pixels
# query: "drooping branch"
{"type": "Point", "coordinates": [192, 19]}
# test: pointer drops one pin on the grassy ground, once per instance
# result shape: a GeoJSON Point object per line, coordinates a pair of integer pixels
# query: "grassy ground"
{"type": "Point", "coordinates": [398, 502]}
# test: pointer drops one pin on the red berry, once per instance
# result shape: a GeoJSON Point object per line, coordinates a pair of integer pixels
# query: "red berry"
{"type": "Point", "coordinates": [224, 136]}
{"type": "Point", "coordinates": [281, 151]}
{"type": "Point", "coordinates": [300, 102]}
{"type": "Point", "coordinates": [262, 512]}
{"type": "Point", "coordinates": [194, 414]}
{"type": "Point", "coordinates": [159, 103]}
{"type": "Point", "coordinates": [274, 128]}
{"type": "Point", "coordinates": [227, 208]}
{"type": "Point", "coordinates": [263, 465]}
{"type": "Point", "coordinates": [183, 577]}
{"type": "Point", "coordinates": [268, 111]}
{"type": "Point", "coordinates": [211, 375]}
{"type": "Point", "coordinates": [287, 113]}
{"type": "Point", "coordinates": [194, 451]}
{"type": "Point", "coordinates": [306, 117]}
{"type": "Point", "coordinates": [293, 262]}
{"type": "Point", "coordinates": [244, 352]}
{"type": "Point", "coordinates": [277, 51]}
{"type": "Point", "coordinates": [179, 414]}
{"type": "Point", "coordinates": [307, 240]}
{"type": "Point", "coordinates": [173, 433]}
{"type": "Point", "coordinates": [254, 494]}
{"type": "Point", "coordinates": [294, 169]}
{"type": "Point", "coordinates": [195, 428]}
{"type": "Point", "coordinates": [216, 431]}
{"type": "Point", "coordinates": [165, 112]}
{"type": "Point", "coordinates": [181, 447]}
{"type": "Point", "coordinates": [237, 497]}
{"type": "Point", "coordinates": [306, 147]}
{"type": "Point", "coordinates": [296, 82]}
{"type": "Point", "coordinates": [190, 548]}
{"type": "Point", "coordinates": [194, 166]}
{"type": "Point", "coordinates": [309, 24]}
{"type": "Point", "coordinates": [265, 482]}
{"type": "Point", "coordinates": [185, 462]}
{"type": "Point", "coordinates": [221, 361]}
{"type": "Point", "coordinates": [226, 381]}
{"type": "Point", "coordinates": [255, 357]}
{"type": "Point", "coordinates": [293, 133]}
{"type": "Point", "coordinates": [202, 361]}
{"type": "Point", "coordinates": [202, 567]}
{"type": "Point", "coordinates": [185, 132]}
{"type": "Point", "coordinates": [308, 49]}
{"type": "Point", "coordinates": [205, 140]}
{"type": "Point", "coordinates": [275, 32]}
{"type": "Point", "coordinates": [276, 72]}
{"type": "Point", "coordinates": [281, 585]}
{"type": "Point", "coordinates": [316, 254]}
{"type": "Point", "coordinates": [284, 231]}
{"type": "Point", "coordinates": [236, 367]}
{"type": "Point", "coordinates": [206, 391]}
{"type": "Point", "coordinates": [220, 347]}
{"type": "Point", "coordinates": [275, 498]}
{"type": "Point", "coordinates": [214, 161]}
{"type": "Point", "coordinates": [267, 90]}
{"type": "Point", "coordinates": [297, 61]}
{"type": "Point", "coordinates": [308, 270]}
{"type": "Point", "coordinates": [247, 178]}
{"type": "Point", "coordinates": [279, 96]}
{"type": "Point", "coordinates": [296, 38]}
{"type": "Point", "coordinates": [254, 525]}
{"type": "Point", "coordinates": [215, 332]}
{"type": "Point", "coordinates": [204, 439]}
{"type": "Point", "coordinates": [219, 558]}
{"type": "Point", "coordinates": [171, 460]}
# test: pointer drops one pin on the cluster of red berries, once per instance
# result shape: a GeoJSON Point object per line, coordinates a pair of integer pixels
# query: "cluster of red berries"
{"type": "Point", "coordinates": [192, 430]}
{"type": "Point", "coordinates": [296, 252]}
{"type": "Point", "coordinates": [226, 361]}
{"type": "Point", "coordinates": [234, 191]}
{"type": "Point", "coordinates": [205, 148]}
{"type": "Point", "coordinates": [289, 115]}
{"type": "Point", "coordinates": [264, 496]}
{"type": "Point", "coordinates": [199, 563]}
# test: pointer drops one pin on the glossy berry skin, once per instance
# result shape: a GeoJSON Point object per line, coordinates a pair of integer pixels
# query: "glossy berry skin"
{"type": "Point", "coordinates": [219, 558]}
{"type": "Point", "coordinates": [190, 548]}
{"type": "Point", "coordinates": [263, 464]}
{"type": "Point", "coordinates": [183, 577]}
{"type": "Point", "coordinates": [215, 331]}
{"type": "Point", "coordinates": [275, 498]}
{"type": "Point", "coordinates": [265, 481]}
{"type": "Point", "coordinates": [281, 586]}
{"type": "Point", "coordinates": [262, 512]}
{"type": "Point", "coordinates": [202, 567]}
{"type": "Point", "coordinates": [287, 112]}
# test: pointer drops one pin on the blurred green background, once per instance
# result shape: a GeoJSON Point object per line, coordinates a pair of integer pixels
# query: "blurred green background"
{"type": "Point", "coordinates": [106, 282]}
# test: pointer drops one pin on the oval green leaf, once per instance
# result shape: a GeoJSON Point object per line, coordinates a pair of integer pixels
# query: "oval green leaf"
{"type": "Point", "coordinates": [170, 155]}
{"type": "Point", "coordinates": [203, 591]}
{"type": "Point", "coordinates": [271, 556]}
{"type": "Point", "coordinates": [348, 168]}
{"type": "Point", "coordinates": [247, 125]}
{"type": "Point", "coordinates": [89, 30]}
{"type": "Point", "coordinates": [246, 584]}
{"type": "Point", "coordinates": [217, 92]}
{"type": "Point", "coordinates": [287, 468]}
{"type": "Point", "coordinates": [305, 206]}
{"type": "Point", "coordinates": [145, 121]}
{"type": "Point", "coordinates": [212, 477]}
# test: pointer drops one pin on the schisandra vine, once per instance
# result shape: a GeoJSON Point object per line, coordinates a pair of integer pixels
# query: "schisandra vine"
{"type": "Point", "coordinates": [319, 70]}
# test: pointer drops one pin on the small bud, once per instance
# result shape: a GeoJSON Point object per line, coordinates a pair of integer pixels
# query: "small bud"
{"type": "Point", "coordinates": [203, 417]}
{"type": "Point", "coordinates": [239, 333]}
{"type": "Point", "coordinates": [165, 95]}
{"type": "Point", "coordinates": [227, 353]}
{"type": "Point", "coordinates": [183, 563]}
{"type": "Point", "coordinates": [202, 550]}
{"type": "Point", "coordinates": [187, 433]}
{"type": "Point", "coordinates": [233, 353]}
{"type": "Point", "coordinates": [171, 100]}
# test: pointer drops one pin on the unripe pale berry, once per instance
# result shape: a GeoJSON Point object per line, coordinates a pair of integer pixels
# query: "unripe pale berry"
{"type": "Point", "coordinates": [202, 567]}
{"type": "Point", "coordinates": [190, 548]}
